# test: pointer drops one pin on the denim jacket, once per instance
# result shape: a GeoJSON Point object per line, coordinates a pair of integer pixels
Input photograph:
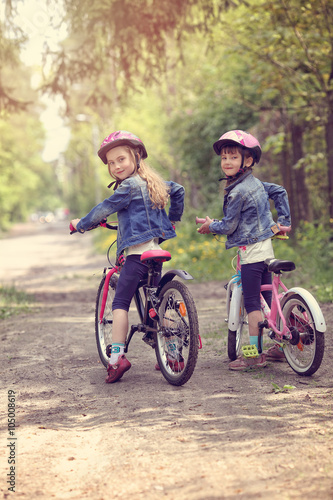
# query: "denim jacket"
{"type": "Point", "coordinates": [137, 220]}
{"type": "Point", "coordinates": [247, 215]}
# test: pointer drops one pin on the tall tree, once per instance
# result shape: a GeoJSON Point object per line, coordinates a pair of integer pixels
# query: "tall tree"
{"type": "Point", "coordinates": [125, 42]}
{"type": "Point", "coordinates": [11, 39]}
{"type": "Point", "coordinates": [292, 58]}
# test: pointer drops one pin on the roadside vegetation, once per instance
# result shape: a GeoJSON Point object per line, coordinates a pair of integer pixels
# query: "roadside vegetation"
{"type": "Point", "coordinates": [14, 301]}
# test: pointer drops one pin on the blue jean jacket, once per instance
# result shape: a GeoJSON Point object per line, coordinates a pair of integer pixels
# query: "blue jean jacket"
{"type": "Point", "coordinates": [137, 220]}
{"type": "Point", "coordinates": [247, 215]}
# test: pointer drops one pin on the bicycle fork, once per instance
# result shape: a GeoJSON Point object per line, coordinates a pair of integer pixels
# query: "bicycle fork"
{"type": "Point", "coordinates": [274, 312]}
{"type": "Point", "coordinates": [106, 290]}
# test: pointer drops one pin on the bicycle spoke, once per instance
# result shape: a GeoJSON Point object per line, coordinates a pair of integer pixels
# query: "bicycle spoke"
{"type": "Point", "coordinates": [177, 336]}
{"type": "Point", "coordinates": [305, 351]}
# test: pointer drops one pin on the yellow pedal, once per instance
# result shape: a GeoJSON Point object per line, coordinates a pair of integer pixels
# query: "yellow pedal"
{"type": "Point", "coordinates": [250, 351]}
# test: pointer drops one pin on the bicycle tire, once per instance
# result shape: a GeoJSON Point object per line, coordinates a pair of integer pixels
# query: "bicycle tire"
{"type": "Point", "coordinates": [235, 337]}
{"type": "Point", "coordinates": [177, 336]}
{"type": "Point", "coordinates": [306, 355]}
{"type": "Point", "coordinates": [103, 328]}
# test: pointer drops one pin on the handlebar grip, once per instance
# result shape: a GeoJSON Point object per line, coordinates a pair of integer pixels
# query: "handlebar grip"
{"type": "Point", "coordinates": [282, 234]}
{"type": "Point", "coordinates": [198, 220]}
{"type": "Point", "coordinates": [285, 229]}
{"type": "Point", "coordinates": [72, 228]}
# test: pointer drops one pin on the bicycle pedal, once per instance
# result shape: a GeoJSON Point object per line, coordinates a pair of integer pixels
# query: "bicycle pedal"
{"type": "Point", "coordinates": [148, 340]}
{"type": "Point", "coordinates": [250, 351]}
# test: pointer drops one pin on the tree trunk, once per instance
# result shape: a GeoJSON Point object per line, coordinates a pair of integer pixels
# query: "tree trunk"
{"type": "Point", "coordinates": [301, 192]}
{"type": "Point", "coordinates": [287, 177]}
{"type": "Point", "coordinates": [329, 152]}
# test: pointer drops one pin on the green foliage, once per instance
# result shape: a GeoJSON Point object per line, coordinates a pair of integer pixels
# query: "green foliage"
{"type": "Point", "coordinates": [315, 249]}
{"type": "Point", "coordinates": [203, 256]}
{"type": "Point", "coordinates": [13, 301]}
{"type": "Point", "coordinates": [27, 183]}
{"type": "Point", "coordinates": [83, 169]}
{"type": "Point", "coordinates": [285, 388]}
{"type": "Point", "coordinates": [129, 40]}
{"type": "Point", "coordinates": [11, 39]}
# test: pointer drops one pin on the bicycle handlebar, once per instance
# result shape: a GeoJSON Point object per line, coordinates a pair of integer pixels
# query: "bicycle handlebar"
{"type": "Point", "coordinates": [102, 223]}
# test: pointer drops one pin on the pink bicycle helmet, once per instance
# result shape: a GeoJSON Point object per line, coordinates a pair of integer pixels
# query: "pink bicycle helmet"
{"type": "Point", "coordinates": [239, 138]}
{"type": "Point", "coordinates": [120, 138]}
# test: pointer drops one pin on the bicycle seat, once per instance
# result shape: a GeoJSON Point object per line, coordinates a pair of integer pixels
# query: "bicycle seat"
{"type": "Point", "coordinates": [276, 265]}
{"type": "Point", "coordinates": [156, 255]}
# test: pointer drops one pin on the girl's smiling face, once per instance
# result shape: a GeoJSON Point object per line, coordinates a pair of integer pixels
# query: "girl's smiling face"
{"type": "Point", "coordinates": [231, 161]}
{"type": "Point", "coordinates": [120, 162]}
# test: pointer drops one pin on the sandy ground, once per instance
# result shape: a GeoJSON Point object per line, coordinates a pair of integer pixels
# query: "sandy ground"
{"type": "Point", "coordinates": [223, 435]}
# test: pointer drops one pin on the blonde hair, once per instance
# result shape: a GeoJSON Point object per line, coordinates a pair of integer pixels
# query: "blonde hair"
{"type": "Point", "coordinates": [157, 188]}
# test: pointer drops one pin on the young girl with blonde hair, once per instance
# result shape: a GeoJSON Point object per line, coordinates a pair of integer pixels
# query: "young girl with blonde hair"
{"type": "Point", "coordinates": [140, 199]}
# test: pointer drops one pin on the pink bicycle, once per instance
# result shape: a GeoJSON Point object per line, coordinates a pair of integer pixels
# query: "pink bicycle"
{"type": "Point", "coordinates": [294, 320]}
{"type": "Point", "coordinates": [167, 314]}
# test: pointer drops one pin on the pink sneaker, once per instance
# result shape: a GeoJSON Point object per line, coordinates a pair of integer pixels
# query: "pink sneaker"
{"type": "Point", "coordinates": [177, 366]}
{"type": "Point", "coordinates": [241, 363]}
{"type": "Point", "coordinates": [116, 371]}
{"type": "Point", "coordinates": [275, 354]}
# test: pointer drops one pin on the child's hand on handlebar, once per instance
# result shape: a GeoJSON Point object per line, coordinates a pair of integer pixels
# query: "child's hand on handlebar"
{"type": "Point", "coordinates": [204, 229]}
{"type": "Point", "coordinates": [73, 223]}
{"type": "Point", "coordinates": [282, 234]}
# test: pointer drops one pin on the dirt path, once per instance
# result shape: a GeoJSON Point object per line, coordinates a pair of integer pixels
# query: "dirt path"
{"type": "Point", "coordinates": [223, 435]}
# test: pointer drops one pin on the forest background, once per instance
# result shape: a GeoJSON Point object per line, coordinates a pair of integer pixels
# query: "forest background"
{"type": "Point", "coordinates": [177, 73]}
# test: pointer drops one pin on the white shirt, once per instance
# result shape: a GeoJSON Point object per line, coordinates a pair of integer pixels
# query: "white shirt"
{"type": "Point", "coordinates": [257, 252]}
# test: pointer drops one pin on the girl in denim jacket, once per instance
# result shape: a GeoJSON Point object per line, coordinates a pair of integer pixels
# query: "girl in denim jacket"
{"type": "Point", "coordinates": [140, 198]}
{"type": "Point", "coordinates": [249, 225]}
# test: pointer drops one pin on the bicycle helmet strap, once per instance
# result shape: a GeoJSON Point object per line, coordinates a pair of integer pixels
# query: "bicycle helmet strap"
{"type": "Point", "coordinates": [138, 159]}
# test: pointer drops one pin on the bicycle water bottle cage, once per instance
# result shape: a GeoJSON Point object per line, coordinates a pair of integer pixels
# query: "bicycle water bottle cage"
{"type": "Point", "coordinates": [250, 351]}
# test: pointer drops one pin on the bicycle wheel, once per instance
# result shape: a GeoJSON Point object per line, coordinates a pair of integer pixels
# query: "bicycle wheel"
{"type": "Point", "coordinates": [235, 337]}
{"type": "Point", "coordinates": [177, 337]}
{"type": "Point", "coordinates": [305, 351]}
{"type": "Point", "coordinates": [103, 328]}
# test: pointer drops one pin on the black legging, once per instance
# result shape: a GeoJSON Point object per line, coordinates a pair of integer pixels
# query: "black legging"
{"type": "Point", "coordinates": [131, 274]}
{"type": "Point", "coordinates": [253, 276]}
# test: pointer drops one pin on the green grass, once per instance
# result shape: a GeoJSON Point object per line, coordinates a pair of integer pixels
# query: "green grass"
{"type": "Point", "coordinates": [13, 301]}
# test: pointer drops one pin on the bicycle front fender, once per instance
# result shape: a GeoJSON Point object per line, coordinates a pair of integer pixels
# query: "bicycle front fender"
{"type": "Point", "coordinates": [230, 287]}
{"type": "Point", "coordinates": [234, 308]}
{"type": "Point", "coordinates": [313, 305]}
{"type": "Point", "coordinates": [169, 275]}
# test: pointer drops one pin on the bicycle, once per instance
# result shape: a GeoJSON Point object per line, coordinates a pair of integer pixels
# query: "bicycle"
{"type": "Point", "coordinates": [294, 320]}
{"type": "Point", "coordinates": [167, 312]}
